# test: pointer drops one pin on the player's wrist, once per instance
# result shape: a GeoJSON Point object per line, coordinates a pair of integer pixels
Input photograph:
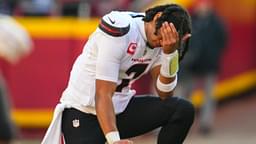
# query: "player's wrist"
{"type": "Point", "coordinates": [112, 137]}
{"type": "Point", "coordinates": [168, 51]}
{"type": "Point", "coordinates": [170, 64]}
{"type": "Point", "coordinates": [166, 87]}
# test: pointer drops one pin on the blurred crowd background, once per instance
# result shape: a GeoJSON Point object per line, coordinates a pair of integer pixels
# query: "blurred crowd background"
{"type": "Point", "coordinates": [80, 8]}
{"type": "Point", "coordinates": [39, 40]}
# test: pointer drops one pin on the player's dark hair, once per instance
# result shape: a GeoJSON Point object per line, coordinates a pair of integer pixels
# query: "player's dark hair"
{"type": "Point", "coordinates": [175, 14]}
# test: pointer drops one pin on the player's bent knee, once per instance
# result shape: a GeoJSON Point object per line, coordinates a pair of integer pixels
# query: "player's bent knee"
{"type": "Point", "coordinates": [185, 111]}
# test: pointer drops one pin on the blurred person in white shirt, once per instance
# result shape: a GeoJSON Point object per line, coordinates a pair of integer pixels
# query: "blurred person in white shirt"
{"type": "Point", "coordinates": [15, 43]}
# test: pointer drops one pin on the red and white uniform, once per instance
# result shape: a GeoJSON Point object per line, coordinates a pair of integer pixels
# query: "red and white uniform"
{"type": "Point", "coordinates": [115, 52]}
{"type": "Point", "coordinates": [108, 56]}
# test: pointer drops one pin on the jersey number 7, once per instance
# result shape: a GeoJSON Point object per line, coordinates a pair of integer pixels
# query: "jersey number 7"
{"type": "Point", "coordinates": [137, 70]}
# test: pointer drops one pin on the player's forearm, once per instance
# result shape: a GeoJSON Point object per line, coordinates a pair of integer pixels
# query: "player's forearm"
{"type": "Point", "coordinates": [105, 113]}
{"type": "Point", "coordinates": [105, 109]}
{"type": "Point", "coordinates": [167, 78]}
{"type": "Point", "coordinates": [104, 106]}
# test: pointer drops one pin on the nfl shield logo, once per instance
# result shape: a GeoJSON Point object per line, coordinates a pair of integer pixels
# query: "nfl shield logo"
{"type": "Point", "coordinates": [76, 123]}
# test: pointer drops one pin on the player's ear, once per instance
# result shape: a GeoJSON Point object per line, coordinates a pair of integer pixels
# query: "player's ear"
{"type": "Point", "coordinates": [157, 16]}
{"type": "Point", "coordinates": [186, 37]}
{"type": "Point", "coordinates": [184, 46]}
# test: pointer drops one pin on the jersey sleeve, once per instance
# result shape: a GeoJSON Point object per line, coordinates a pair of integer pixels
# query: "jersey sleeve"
{"type": "Point", "coordinates": [110, 53]}
{"type": "Point", "coordinates": [111, 45]}
{"type": "Point", "coordinates": [115, 24]}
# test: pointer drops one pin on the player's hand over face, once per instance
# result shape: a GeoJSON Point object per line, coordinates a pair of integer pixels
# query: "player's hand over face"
{"type": "Point", "coordinates": [123, 142]}
{"type": "Point", "coordinates": [170, 37]}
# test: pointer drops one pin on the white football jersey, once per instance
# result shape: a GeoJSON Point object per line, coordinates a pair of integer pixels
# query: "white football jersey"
{"type": "Point", "coordinates": [115, 52]}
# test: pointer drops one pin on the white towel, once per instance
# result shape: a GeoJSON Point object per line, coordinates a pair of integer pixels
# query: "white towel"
{"type": "Point", "coordinates": [53, 134]}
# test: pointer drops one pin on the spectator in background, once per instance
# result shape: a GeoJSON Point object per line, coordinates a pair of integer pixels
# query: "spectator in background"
{"type": "Point", "coordinates": [15, 43]}
{"type": "Point", "coordinates": [36, 7]}
{"type": "Point", "coordinates": [101, 7]}
{"type": "Point", "coordinates": [202, 61]}
{"type": "Point", "coordinates": [69, 7]}
{"type": "Point", "coordinates": [140, 5]}
{"type": "Point", "coordinates": [90, 8]}
{"type": "Point", "coordinates": [7, 6]}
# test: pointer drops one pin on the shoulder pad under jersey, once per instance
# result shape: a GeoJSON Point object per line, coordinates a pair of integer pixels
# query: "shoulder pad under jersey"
{"type": "Point", "coordinates": [115, 24]}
